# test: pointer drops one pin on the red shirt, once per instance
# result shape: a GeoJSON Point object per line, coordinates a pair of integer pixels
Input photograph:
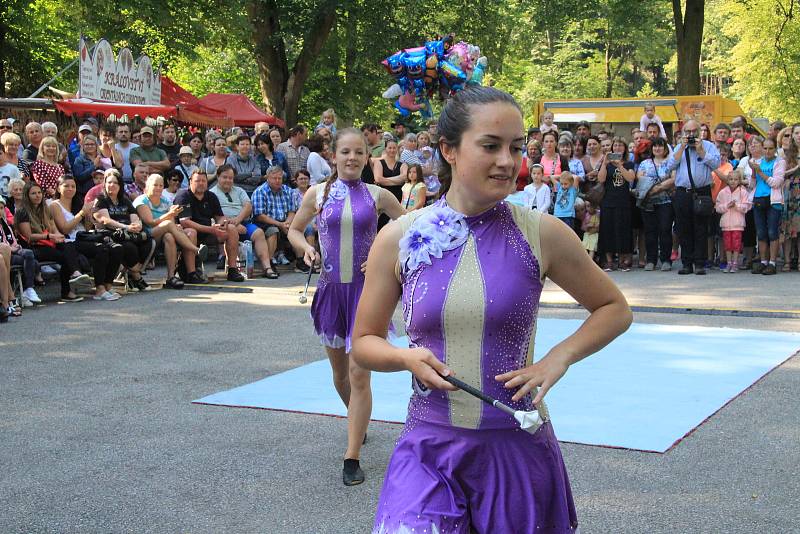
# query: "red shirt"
{"type": "Point", "coordinates": [46, 175]}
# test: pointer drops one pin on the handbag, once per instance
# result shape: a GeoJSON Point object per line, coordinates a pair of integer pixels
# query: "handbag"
{"type": "Point", "coordinates": [596, 193]}
{"type": "Point", "coordinates": [93, 236]}
{"type": "Point", "coordinates": [702, 205]}
{"type": "Point", "coordinates": [121, 236]}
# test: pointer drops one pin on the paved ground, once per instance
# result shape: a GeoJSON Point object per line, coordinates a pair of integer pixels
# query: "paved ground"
{"type": "Point", "coordinates": [98, 434]}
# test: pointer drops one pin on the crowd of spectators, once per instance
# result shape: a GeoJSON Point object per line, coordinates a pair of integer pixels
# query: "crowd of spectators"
{"type": "Point", "coordinates": [116, 197]}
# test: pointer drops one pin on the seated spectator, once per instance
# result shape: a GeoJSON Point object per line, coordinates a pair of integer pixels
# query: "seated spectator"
{"type": "Point", "coordinates": [217, 158]}
{"type": "Point", "coordinates": [6, 291]}
{"type": "Point", "coordinates": [268, 157]}
{"type": "Point", "coordinates": [248, 169]}
{"type": "Point", "coordinates": [15, 192]}
{"type": "Point", "coordinates": [303, 181]}
{"type": "Point", "coordinates": [46, 170]}
{"type": "Point", "coordinates": [159, 215]}
{"type": "Point", "coordinates": [148, 153]}
{"type": "Point", "coordinates": [21, 257]}
{"type": "Point", "coordinates": [273, 210]}
{"type": "Point", "coordinates": [185, 165]}
{"type": "Point", "coordinates": [110, 157]}
{"type": "Point", "coordinates": [205, 217]}
{"type": "Point", "coordinates": [11, 142]}
{"type": "Point", "coordinates": [238, 209]}
{"type": "Point", "coordinates": [69, 214]}
{"type": "Point", "coordinates": [196, 144]}
{"type": "Point", "coordinates": [86, 163]}
{"type": "Point", "coordinates": [135, 189]}
{"type": "Point", "coordinates": [317, 166]}
{"type": "Point", "coordinates": [173, 182]}
{"type": "Point", "coordinates": [114, 211]}
{"type": "Point", "coordinates": [37, 231]}
{"type": "Point", "coordinates": [49, 129]}
{"type": "Point", "coordinates": [8, 172]}
{"type": "Point", "coordinates": [98, 178]}
{"type": "Point", "coordinates": [33, 133]}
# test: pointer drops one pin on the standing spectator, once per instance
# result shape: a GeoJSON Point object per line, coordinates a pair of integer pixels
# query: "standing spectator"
{"type": "Point", "coordinates": [591, 228]}
{"type": "Point", "coordinates": [38, 232]}
{"type": "Point", "coordinates": [268, 157]}
{"type": "Point", "coordinates": [719, 179]}
{"type": "Point", "coordinates": [547, 123]}
{"type": "Point", "coordinates": [186, 165]}
{"type": "Point", "coordinates": [756, 152]}
{"type": "Point", "coordinates": [738, 151]}
{"type": "Point", "coordinates": [414, 193]}
{"type": "Point", "coordinates": [33, 134]}
{"type": "Point", "coordinates": [566, 195]}
{"type": "Point", "coordinates": [216, 158]}
{"type": "Point", "coordinates": [738, 130]}
{"type": "Point", "coordinates": [147, 152]}
{"type": "Point", "coordinates": [774, 129]}
{"type": "Point", "coordinates": [317, 166]}
{"type": "Point", "coordinates": [583, 130]}
{"type": "Point", "coordinates": [567, 149]}
{"type": "Point", "coordinates": [11, 143]}
{"type": "Point", "coordinates": [236, 206]}
{"type": "Point", "coordinates": [693, 160]}
{"type": "Point", "coordinates": [328, 120]}
{"type": "Point", "coordinates": [767, 178]}
{"type": "Point", "coordinates": [69, 214]}
{"type": "Point", "coordinates": [551, 161]}
{"type": "Point", "coordinates": [248, 169]}
{"type": "Point", "coordinates": [653, 132]}
{"type": "Point", "coordinates": [721, 133]}
{"type": "Point", "coordinates": [410, 155]}
{"type": "Point", "coordinates": [791, 218]}
{"type": "Point", "coordinates": [196, 144]}
{"type": "Point", "coordinates": [538, 195]}
{"type": "Point", "coordinates": [124, 147]}
{"type": "Point", "coordinates": [616, 230]}
{"type": "Point", "coordinates": [390, 174]}
{"type": "Point", "coordinates": [733, 201]}
{"type": "Point", "coordinates": [593, 159]}
{"type": "Point", "coordinates": [169, 143]}
{"type": "Point", "coordinates": [274, 208]}
{"type": "Point", "coordinates": [295, 151]}
{"type": "Point", "coordinates": [705, 132]}
{"type": "Point", "coordinates": [655, 182]}
{"type": "Point", "coordinates": [46, 170]}
{"type": "Point", "coordinates": [208, 221]}
{"type": "Point", "coordinates": [276, 136]}
{"type": "Point", "coordinates": [375, 144]}
{"type": "Point", "coordinates": [158, 214]}
{"type": "Point", "coordinates": [114, 211]}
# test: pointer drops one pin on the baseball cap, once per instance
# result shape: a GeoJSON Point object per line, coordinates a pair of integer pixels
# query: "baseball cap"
{"type": "Point", "coordinates": [84, 128]}
{"type": "Point", "coordinates": [185, 150]}
{"type": "Point", "coordinates": [146, 130]}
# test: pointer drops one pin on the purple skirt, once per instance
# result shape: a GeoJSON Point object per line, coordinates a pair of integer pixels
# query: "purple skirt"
{"type": "Point", "coordinates": [454, 480]}
{"type": "Point", "coordinates": [334, 312]}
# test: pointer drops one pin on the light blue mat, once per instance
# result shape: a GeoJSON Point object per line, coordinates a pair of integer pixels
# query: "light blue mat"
{"type": "Point", "coordinates": [645, 391]}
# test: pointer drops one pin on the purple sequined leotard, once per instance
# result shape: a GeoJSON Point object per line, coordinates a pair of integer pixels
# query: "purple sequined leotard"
{"type": "Point", "coordinates": [471, 288]}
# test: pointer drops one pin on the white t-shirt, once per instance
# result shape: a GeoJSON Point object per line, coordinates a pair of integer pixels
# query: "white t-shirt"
{"type": "Point", "coordinates": [8, 172]}
{"type": "Point", "coordinates": [538, 199]}
{"type": "Point", "coordinates": [318, 168]}
{"type": "Point", "coordinates": [127, 172]}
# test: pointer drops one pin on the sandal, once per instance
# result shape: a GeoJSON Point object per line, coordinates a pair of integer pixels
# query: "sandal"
{"type": "Point", "coordinates": [13, 311]}
{"type": "Point", "coordinates": [272, 275]}
{"type": "Point", "coordinates": [786, 268]}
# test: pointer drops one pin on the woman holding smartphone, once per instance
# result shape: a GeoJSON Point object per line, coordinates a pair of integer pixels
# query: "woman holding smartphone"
{"type": "Point", "coordinates": [616, 230]}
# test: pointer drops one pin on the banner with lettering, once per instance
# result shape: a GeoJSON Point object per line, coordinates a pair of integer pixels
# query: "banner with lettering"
{"type": "Point", "coordinates": [120, 80]}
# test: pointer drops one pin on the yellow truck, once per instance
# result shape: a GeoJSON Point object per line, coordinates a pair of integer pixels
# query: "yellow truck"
{"type": "Point", "coordinates": [621, 114]}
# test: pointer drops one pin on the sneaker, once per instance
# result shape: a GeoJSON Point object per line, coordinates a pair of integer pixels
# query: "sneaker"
{"type": "Point", "coordinates": [649, 267]}
{"type": "Point", "coordinates": [108, 296]}
{"type": "Point", "coordinates": [733, 268]}
{"type": "Point", "coordinates": [195, 278]}
{"type": "Point", "coordinates": [202, 253]}
{"type": "Point", "coordinates": [82, 280]}
{"type": "Point", "coordinates": [687, 270]}
{"type": "Point", "coordinates": [174, 283]}
{"type": "Point", "coordinates": [282, 259]}
{"type": "Point", "coordinates": [76, 298]}
{"type": "Point", "coordinates": [674, 256]}
{"type": "Point", "coordinates": [769, 269]}
{"type": "Point", "coordinates": [48, 270]}
{"type": "Point", "coordinates": [141, 285]}
{"type": "Point", "coordinates": [666, 266]}
{"type": "Point", "coordinates": [32, 296]}
{"type": "Point", "coordinates": [352, 473]}
{"type": "Point", "coordinates": [723, 266]}
{"type": "Point", "coordinates": [26, 302]}
{"type": "Point", "coordinates": [234, 275]}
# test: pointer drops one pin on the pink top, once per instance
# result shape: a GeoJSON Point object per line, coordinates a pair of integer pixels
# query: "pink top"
{"type": "Point", "coordinates": [733, 217]}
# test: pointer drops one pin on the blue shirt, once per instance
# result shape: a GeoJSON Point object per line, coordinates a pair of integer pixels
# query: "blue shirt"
{"type": "Point", "coordinates": [701, 167]}
{"type": "Point", "coordinates": [565, 201]}
{"type": "Point", "coordinates": [762, 187]}
{"type": "Point", "coordinates": [278, 160]}
{"type": "Point", "coordinates": [276, 205]}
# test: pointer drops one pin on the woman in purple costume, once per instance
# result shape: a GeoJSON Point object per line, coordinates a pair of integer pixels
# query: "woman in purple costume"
{"type": "Point", "coordinates": [347, 217]}
{"type": "Point", "coordinates": [470, 271]}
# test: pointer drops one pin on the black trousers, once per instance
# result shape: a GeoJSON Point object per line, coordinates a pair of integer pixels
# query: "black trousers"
{"type": "Point", "coordinates": [135, 253]}
{"type": "Point", "coordinates": [105, 259]}
{"type": "Point", "coordinates": [658, 232]}
{"type": "Point", "coordinates": [692, 229]}
{"type": "Point", "coordinates": [65, 255]}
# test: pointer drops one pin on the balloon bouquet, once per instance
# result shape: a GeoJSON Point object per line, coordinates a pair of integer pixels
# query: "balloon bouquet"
{"type": "Point", "coordinates": [438, 67]}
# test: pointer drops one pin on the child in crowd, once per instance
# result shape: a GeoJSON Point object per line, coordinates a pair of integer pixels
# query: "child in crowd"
{"type": "Point", "coordinates": [537, 193]}
{"type": "Point", "coordinates": [186, 166]}
{"type": "Point", "coordinates": [429, 169]}
{"type": "Point", "coordinates": [591, 228]}
{"type": "Point", "coordinates": [547, 123]}
{"type": "Point", "coordinates": [414, 190]}
{"type": "Point", "coordinates": [328, 120]}
{"type": "Point", "coordinates": [302, 179]}
{"type": "Point", "coordinates": [651, 117]}
{"type": "Point", "coordinates": [733, 201]}
{"type": "Point", "coordinates": [566, 194]}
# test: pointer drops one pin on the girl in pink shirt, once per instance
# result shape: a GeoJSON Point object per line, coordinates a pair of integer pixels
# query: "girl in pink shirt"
{"type": "Point", "coordinates": [733, 202]}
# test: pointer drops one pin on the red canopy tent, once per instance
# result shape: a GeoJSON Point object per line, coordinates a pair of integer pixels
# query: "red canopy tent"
{"type": "Point", "coordinates": [189, 108]}
{"type": "Point", "coordinates": [84, 106]}
{"type": "Point", "coordinates": [240, 108]}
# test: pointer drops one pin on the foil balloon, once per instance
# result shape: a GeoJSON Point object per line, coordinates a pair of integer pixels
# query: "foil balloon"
{"type": "Point", "coordinates": [394, 64]}
{"type": "Point", "coordinates": [479, 71]}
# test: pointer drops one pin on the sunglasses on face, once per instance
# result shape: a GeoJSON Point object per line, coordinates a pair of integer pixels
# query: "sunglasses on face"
{"type": "Point", "coordinates": [4, 127]}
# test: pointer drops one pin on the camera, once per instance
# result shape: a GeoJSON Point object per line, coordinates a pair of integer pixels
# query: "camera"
{"type": "Point", "coordinates": [613, 156]}
{"type": "Point", "coordinates": [691, 140]}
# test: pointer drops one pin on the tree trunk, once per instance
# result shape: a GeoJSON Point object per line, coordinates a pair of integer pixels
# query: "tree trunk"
{"type": "Point", "coordinates": [689, 38]}
{"type": "Point", "coordinates": [351, 93]}
{"type": "Point", "coordinates": [281, 88]}
{"type": "Point", "coordinates": [608, 70]}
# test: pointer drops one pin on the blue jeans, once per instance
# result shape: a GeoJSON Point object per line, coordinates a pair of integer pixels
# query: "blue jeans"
{"type": "Point", "coordinates": [768, 220]}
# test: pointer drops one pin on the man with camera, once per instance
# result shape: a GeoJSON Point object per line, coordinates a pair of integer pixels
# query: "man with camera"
{"type": "Point", "coordinates": [693, 160]}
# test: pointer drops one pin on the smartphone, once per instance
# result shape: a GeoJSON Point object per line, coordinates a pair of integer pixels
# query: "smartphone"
{"type": "Point", "coordinates": [613, 156]}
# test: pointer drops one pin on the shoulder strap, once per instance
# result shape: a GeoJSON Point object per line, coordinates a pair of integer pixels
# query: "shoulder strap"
{"type": "Point", "coordinates": [527, 220]}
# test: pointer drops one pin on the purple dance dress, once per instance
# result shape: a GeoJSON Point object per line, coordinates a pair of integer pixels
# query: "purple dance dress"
{"type": "Point", "coordinates": [347, 225]}
{"type": "Point", "coordinates": [471, 289]}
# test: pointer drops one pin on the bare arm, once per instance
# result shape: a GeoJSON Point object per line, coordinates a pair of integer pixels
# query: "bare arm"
{"type": "Point", "coordinates": [388, 204]}
{"type": "Point", "coordinates": [61, 223]}
{"type": "Point", "coordinates": [578, 275]}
